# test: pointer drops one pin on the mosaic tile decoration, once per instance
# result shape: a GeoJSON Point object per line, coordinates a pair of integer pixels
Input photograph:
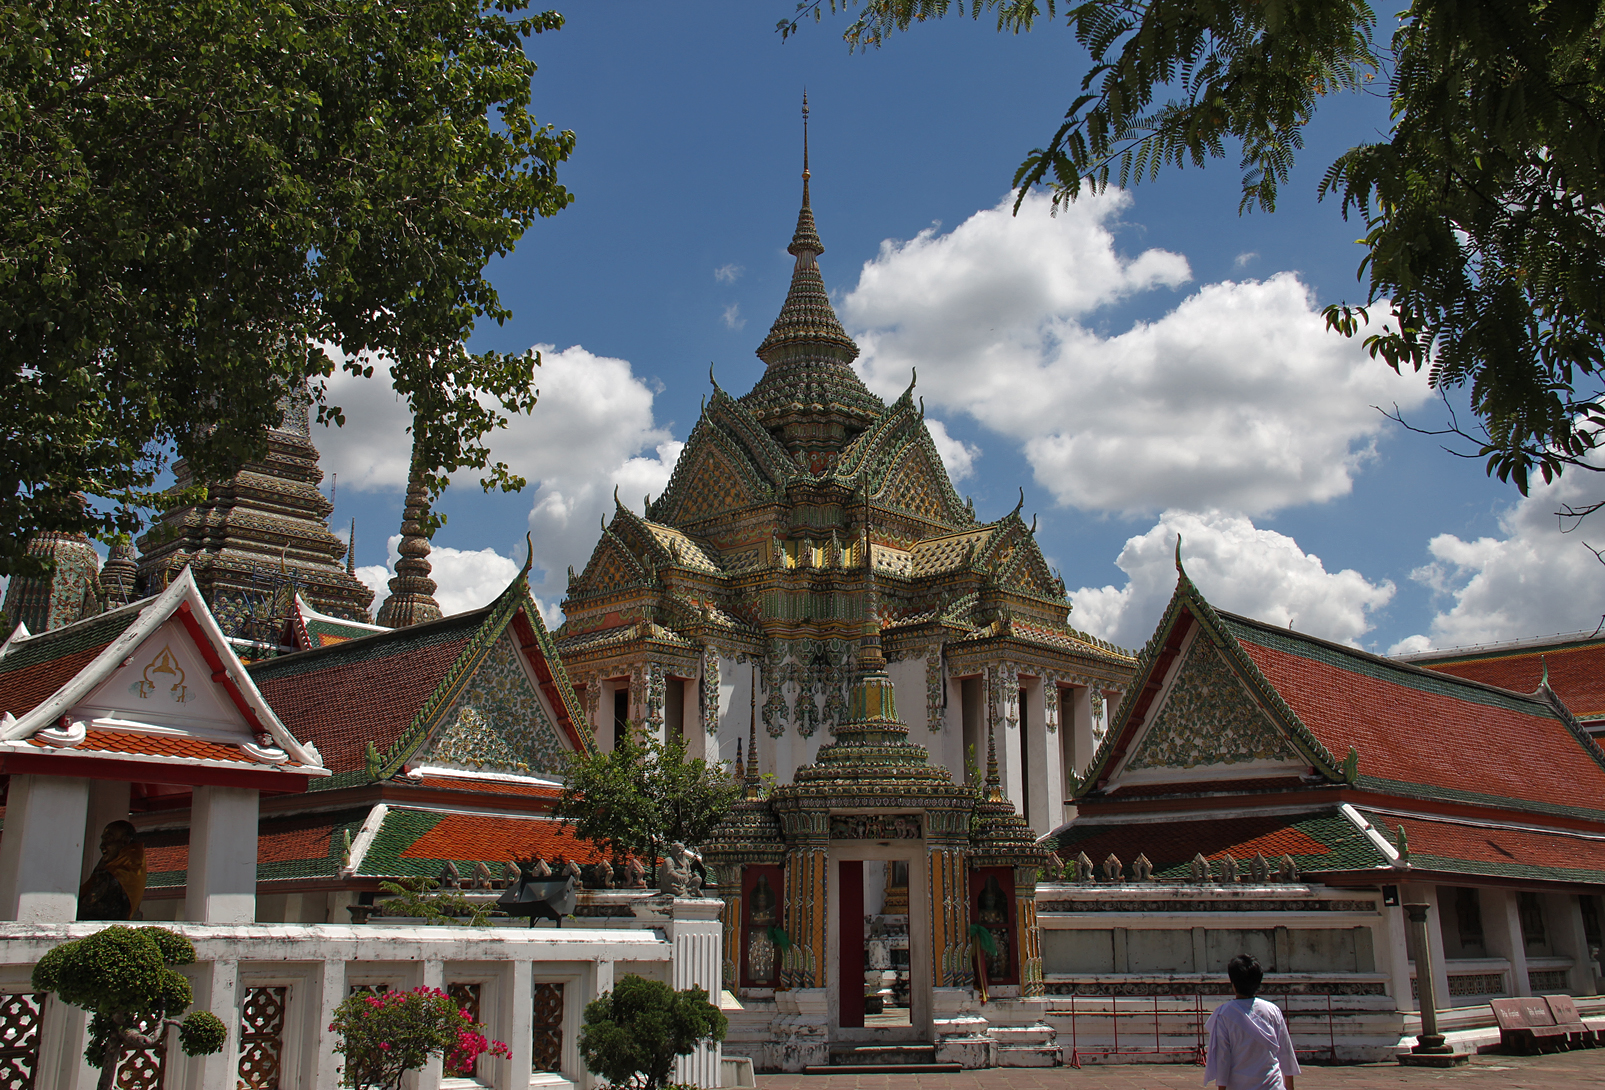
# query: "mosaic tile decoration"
{"type": "Point", "coordinates": [1209, 718]}
{"type": "Point", "coordinates": [498, 721]}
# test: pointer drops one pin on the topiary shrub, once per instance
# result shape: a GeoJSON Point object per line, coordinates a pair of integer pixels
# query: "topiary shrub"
{"type": "Point", "coordinates": [123, 977]}
{"type": "Point", "coordinates": [383, 1036]}
{"type": "Point", "coordinates": [633, 1033]}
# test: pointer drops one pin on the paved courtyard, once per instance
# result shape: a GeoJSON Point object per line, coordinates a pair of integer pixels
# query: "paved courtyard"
{"type": "Point", "coordinates": [1562, 1071]}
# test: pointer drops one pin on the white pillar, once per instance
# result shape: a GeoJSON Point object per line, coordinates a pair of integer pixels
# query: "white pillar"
{"type": "Point", "coordinates": [1501, 928]}
{"type": "Point", "coordinates": [217, 990]}
{"type": "Point", "coordinates": [1428, 895]}
{"type": "Point", "coordinates": [1396, 949]}
{"type": "Point", "coordinates": [1043, 815]}
{"type": "Point", "coordinates": [1080, 733]}
{"type": "Point", "coordinates": [515, 1013]}
{"type": "Point", "coordinates": [697, 935]}
{"type": "Point", "coordinates": [329, 983]}
{"type": "Point", "coordinates": [221, 884]}
{"type": "Point", "coordinates": [1053, 766]}
{"type": "Point", "coordinates": [434, 976]}
{"type": "Point", "coordinates": [1007, 737]}
{"type": "Point", "coordinates": [42, 848]}
{"type": "Point", "coordinates": [1566, 911]}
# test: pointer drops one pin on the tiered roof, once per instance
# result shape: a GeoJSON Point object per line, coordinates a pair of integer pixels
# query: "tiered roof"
{"type": "Point", "coordinates": [1242, 738]}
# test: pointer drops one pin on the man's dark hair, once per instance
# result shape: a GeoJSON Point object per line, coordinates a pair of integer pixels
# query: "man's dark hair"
{"type": "Point", "coordinates": [1245, 973]}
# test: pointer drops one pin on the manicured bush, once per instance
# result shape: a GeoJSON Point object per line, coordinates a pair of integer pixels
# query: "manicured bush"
{"type": "Point", "coordinates": [633, 1033]}
{"type": "Point", "coordinates": [123, 977]}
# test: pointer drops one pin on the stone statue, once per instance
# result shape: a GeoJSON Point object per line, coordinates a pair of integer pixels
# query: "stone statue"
{"type": "Point", "coordinates": [541, 870]}
{"type": "Point", "coordinates": [675, 875]}
{"type": "Point", "coordinates": [635, 872]}
{"type": "Point", "coordinates": [116, 885]}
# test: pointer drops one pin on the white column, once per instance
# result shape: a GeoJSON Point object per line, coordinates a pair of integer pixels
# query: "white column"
{"type": "Point", "coordinates": [1395, 948]}
{"type": "Point", "coordinates": [515, 1012]}
{"type": "Point", "coordinates": [221, 884]}
{"type": "Point", "coordinates": [1043, 815]}
{"type": "Point", "coordinates": [1566, 913]}
{"type": "Point", "coordinates": [329, 982]}
{"type": "Point", "coordinates": [42, 848]}
{"type": "Point", "coordinates": [695, 930]}
{"type": "Point", "coordinates": [1052, 768]}
{"type": "Point", "coordinates": [108, 802]}
{"type": "Point", "coordinates": [1428, 895]}
{"type": "Point", "coordinates": [1008, 738]}
{"type": "Point", "coordinates": [434, 976]}
{"type": "Point", "coordinates": [1501, 929]}
{"type": "Point", "coordinates": [1080, 733]}
{"type": "Point", "coordinates": [217, 990]}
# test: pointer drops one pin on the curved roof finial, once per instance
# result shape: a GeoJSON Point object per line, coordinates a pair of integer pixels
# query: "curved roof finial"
{"type": "Point", "coordinates": [1179, 568]}
{"type": "Point", "coordinates": [1543, 682]}
{"type": "Point", "coordinates": [1021, 505]}
{"type": "Point", "coordinates": [616, 501]}
{"type": "Point", "coordinates": [529, 554]}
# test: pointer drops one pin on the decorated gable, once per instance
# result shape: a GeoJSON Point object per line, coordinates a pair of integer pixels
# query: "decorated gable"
{"type": "Point", "coordinates": [710, 483]}
{"type": "Point", "coordinates": [499, 721]}
{"type": "Point", "coordinates": [165, 684]}
{"type": "Point", "coordinates": [612, 567]}
{"type": "Point", "coordinates": [1207, 719]}
{"type": "Point", "coordinates": [917, 484]}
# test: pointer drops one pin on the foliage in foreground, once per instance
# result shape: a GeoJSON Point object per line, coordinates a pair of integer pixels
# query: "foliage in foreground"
{"type": "Point", "coordinates": [644, 796]}
{"type": "Point", "coordinates": [384, 1035]}
{"type": "Point", "coordinates": [632, 1034]}
{"type": "Point", "coordinates": [1485, 239]}
{"type": "Point", "coordinates": [195, 196]}
{"type": "Point", "coordinates": [124, 977]}
{"type": "Point", "coordinates": [422, 899]}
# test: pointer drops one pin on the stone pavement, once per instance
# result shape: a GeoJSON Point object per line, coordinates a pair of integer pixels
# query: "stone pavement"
{"type": "Point", "coordinates": [1561, 1071]}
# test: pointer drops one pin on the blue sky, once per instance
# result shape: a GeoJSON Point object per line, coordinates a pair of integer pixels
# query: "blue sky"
{"type": "Point", "coordinates": [1143, 364]}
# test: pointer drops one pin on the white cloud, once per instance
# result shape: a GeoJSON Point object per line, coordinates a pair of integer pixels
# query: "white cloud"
{"type": "Point", "coordinates": [1236, 399]}
{"type": "Point", "coordinates": [732, 316]}
{"type": "Point", "coordinates": [728, 274]}
{"type": "Point", "coordinates": [1243, 259]}
{"type": "Point", "coordinates": [1532, 581]}
{"type": "Point", "coordinates": [465, 579]}
{"type": "Point", "coordinates": [592, 428]}
{"type": "Point", "coordinates": [957, 455]}
{"type": "Point", "coordinates": [1240, 568]}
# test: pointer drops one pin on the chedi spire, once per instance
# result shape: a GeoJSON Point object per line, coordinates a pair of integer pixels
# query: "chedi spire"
{"type": "Point", "coordinates": [412, 592]}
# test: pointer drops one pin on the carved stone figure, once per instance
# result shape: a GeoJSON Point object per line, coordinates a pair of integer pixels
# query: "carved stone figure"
{"type": "Point", "coordinates": [1112, 868]}
{"type": "Point", "coordinates": [636, 874]}
{"type": "Point", "coordinates": [674, 876]}
{"type": "Point", "coordinates": [1142, 870]}
{"type": "Point", "coordinates": [1229, 869]}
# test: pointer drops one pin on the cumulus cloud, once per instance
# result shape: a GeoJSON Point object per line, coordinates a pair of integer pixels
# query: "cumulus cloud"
{"type": "Point", "coordinates": [465, 579]}
{"type": "Point", "coordinates": [1531, 581]}
{"type": "Point", "coordinates": [732, 316]}
{"type": "Point", "coordinates": [957, 455]}
{"type": "Point", "coordinates": [1239, 567]}
{"type": "Point", "coordinates": [728, 274]}
{"type": "Point", "coordinates": [1236, 399]}
{"type": "Point", "coordinates": [593, 429]}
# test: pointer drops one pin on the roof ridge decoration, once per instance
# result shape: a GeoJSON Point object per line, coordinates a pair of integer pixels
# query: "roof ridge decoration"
{"type": "Point", "coordinates": [1188, 599]}
{"type": "Point", "coordinates": [1588, 741]}
{"type": "Point", "coordinates": [501, 613]}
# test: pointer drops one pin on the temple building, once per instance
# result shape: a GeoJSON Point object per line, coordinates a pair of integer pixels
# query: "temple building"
{"type": "Point", "coordinates": [750, 575]}
{"type": "Point", "coordinates": [1573, 666]}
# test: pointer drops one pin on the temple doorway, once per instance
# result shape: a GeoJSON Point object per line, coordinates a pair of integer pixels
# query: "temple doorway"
{"type": "Point", "coordinates": [880, 986]}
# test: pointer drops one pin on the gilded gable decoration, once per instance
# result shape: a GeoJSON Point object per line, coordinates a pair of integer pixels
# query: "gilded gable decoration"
{"type": "Point", "coordinates": [1209, 718]}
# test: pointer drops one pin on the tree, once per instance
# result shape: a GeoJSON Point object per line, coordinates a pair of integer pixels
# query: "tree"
{"type": "Point", "coordinates": [1485, 234]}
{"type": "Point", "coordinates": [124, 977]}
{"type": "Point", "coordinates": [206, 204]}
{"type": "Point", "coordinates": [633, 1033]}
{"type": "Point", "coordinates": [644, 796]}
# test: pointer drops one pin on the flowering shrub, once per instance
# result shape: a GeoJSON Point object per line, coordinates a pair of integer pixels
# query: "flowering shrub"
{"type": "Point", "coordinates": [385, 1035]}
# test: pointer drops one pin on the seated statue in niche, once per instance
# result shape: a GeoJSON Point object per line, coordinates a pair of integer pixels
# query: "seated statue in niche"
{"type": "Point", "coordinates": [761, 916]}
{"type": "Point", "coordinates": [994, 914]}
{"type": "Point", "coordinates": [116, 885]}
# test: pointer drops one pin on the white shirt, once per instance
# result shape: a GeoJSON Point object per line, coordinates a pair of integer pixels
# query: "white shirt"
{"type": "Point", "coordinates": [1249, 1046]}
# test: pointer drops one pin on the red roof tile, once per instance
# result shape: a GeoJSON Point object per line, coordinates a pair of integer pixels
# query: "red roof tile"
{"type": "Point", "coordinates": [489, 787]}
{"type": "Point", "coordinates": [366, 690]}
{"type": "Point", "coordinates": [21, 691]}
{"type": "Point", "coordinates": [153, 745]}
{"type": "Point", "coordinates": [1420, 730]}
{"type": "Point", "coordinates": [1494, 850]}
{"type": "Point", "coordinates": [488, 836]}
{"type": "Point", "coordinates": [1577, 674]}
{"type": "Point", "coordinates": [1322, 841]}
